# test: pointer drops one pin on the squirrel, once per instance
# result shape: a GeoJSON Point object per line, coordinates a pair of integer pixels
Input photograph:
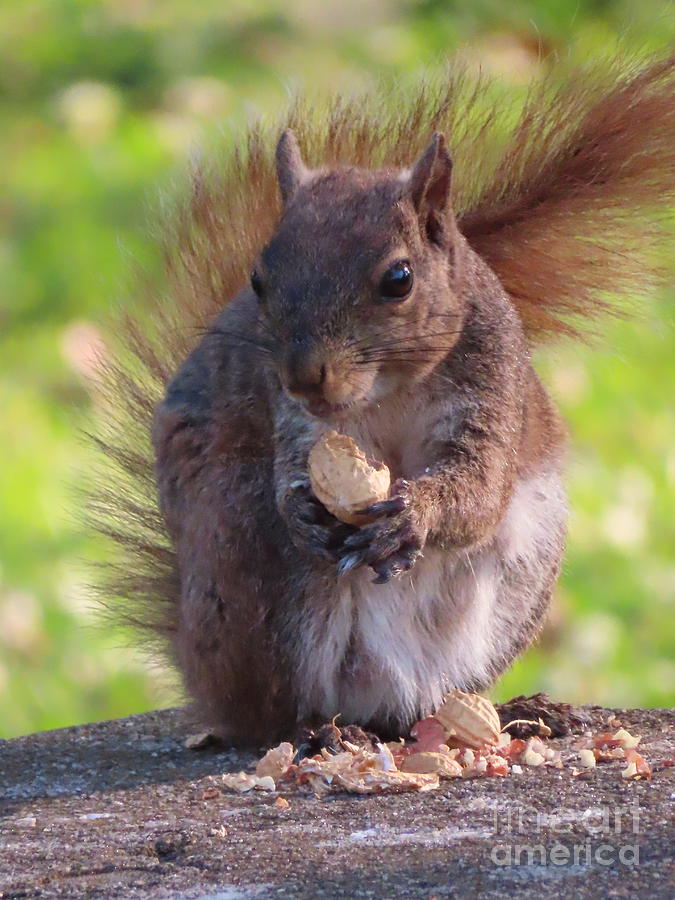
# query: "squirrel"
{"type": "Point", "coordinates": [373, 283]}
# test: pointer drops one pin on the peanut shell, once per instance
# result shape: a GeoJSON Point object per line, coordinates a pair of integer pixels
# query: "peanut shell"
{"type": "Point", "coordinates": [469, 719]}
{"type": "Point", "coordinates": [432, 763]}
{"type": "Point", "coordinates": [344, 479]}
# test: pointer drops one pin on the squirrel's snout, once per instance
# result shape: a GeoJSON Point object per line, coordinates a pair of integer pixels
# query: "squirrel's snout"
{"type": "Point", "coordinates": [317, 381]}
{"type": "Point", "coordinates": [305, 371]}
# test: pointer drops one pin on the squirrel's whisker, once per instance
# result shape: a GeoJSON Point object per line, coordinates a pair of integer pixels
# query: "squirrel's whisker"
{"type": "Point", "coordinates": [237, 336]}
{"type": "Point", "coordinates": [402, 342]}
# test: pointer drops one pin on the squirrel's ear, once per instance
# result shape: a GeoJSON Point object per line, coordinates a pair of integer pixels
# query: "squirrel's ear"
{"type": "Point", "coordinates": [291, 170]}
{"type": "Point", "coordinates": [429, 186]}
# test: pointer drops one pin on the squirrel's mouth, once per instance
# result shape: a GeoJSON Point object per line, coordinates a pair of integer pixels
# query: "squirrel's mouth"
{"type": "Point", "coordinates": [322, 409]}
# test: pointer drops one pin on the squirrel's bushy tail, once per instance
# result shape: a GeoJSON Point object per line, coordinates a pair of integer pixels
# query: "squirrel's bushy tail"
{"type": "Point", "coordinates": [559, 193]}
{"type": "Point", "coordinates": [569, 215]}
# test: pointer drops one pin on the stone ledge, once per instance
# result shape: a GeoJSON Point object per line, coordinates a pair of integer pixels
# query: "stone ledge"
{"type": "Point", "coordinates": [116, 810]}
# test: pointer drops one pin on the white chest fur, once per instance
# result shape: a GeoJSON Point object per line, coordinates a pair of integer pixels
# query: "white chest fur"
{"type": "Point", "coordinates": [377, 652]}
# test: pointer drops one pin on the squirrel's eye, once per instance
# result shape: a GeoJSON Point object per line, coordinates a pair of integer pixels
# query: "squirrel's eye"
{"type": "Point", "coordinates": [397, 281]}
{"type": "Point", "coordinates": [256, 283]}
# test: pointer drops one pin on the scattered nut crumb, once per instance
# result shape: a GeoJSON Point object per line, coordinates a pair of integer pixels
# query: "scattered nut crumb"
{"type": "Point", "coordinates": [587, 759]}
{"type": "Point", "coordinates": [462, 740]}
{"type": "Point", "coordinates": [276, 762]}
{"type": "Point", "coordinates": [629, 771]}
{"type": "Point", "coordinates": [201, 741]}
{"type": "Point", "coordinates": [626, 740]}
{"type": "Point", "coordinates": [241, 782]}
{"type": "Point", "coordinates": [531, 758]}
{"type": "Point", "coordinates": [432, 763]}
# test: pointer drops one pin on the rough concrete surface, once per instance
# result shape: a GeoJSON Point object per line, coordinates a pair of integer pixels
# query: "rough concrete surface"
{"type": "Point", "coordinates": [117, 809]}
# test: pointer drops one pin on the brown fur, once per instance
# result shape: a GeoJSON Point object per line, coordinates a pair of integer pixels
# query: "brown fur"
{"type": "Point", "coordinates": [558, 208]}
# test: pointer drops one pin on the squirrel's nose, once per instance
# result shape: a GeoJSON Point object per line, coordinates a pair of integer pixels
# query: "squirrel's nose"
{"type": "Point", "coordinates": [305, 370]}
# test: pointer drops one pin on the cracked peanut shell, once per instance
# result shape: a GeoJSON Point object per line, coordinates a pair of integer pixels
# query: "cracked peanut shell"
{"type": "Point", "coordinates": [344, 479]}
{"type": "Point", "coordinates": [469, 719]}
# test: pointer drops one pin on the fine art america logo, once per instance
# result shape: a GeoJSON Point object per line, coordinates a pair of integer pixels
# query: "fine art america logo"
{"type": "Point", "coordinates": [600, 835]}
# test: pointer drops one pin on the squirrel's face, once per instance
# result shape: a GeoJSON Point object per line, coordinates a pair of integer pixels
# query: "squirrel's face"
{"type": "Point", "coordinates": [358, 287]}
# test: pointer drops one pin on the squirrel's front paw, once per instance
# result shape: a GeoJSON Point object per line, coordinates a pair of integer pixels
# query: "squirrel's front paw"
{"type": "Point", "coordinates": [393, 543]}
{"type": "Point", "coordinates": [312, 528]}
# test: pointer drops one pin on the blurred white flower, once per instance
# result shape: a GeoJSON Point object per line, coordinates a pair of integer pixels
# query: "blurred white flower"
{"type": "Point", "coordinates": [569, 380]}
{"type": "Point", "coordinates": [624, 525]}
{"type": "Point", "coordinates": [83, 349]}
{"type": "Point", "coordinates": [179, 134]}
{"type": "Point", "coordinates": [74, 595]}
{"type": "Point", "coordinates": [513, 57]}
{"type": "Point", "coordinates": [20, 627]}
{"type": "Point", "coordinates": [202, 98]}
{"type": "Point", "coordinates": [389, 44]}
{"type": "Point", "coordinates": [635, 486]}
{"type": "Point", "coordinates": [594, 638]}
{"type": "Point", "coordinates": [89, 109]}
{"type": "Point", "coordinates": [349, 15]}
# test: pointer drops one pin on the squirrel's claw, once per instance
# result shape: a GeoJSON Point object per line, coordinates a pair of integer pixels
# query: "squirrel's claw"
{"type": "Point", "coordinates": [386, 507]}
{"type": "Point", "coordinates": [349, 562]}
{"type": "Point", "coordinates": [326, 542]}
{"type": "Point", "coordinates": [311, 527]}
{"type": "Point", "coordinates": [396, 565]}
{"type": "Point", "coordinates": [389, 546]}
{"type": "Point", "coordinates": [398, 503]}
{"type": "Point", "coordinates": [381, 539]}
{"type": "Point", "coordinates": [318, 541]}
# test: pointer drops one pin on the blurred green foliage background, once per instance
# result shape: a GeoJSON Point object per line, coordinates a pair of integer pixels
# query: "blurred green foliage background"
{"type": "Point", "coordinates": [99, 103]}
